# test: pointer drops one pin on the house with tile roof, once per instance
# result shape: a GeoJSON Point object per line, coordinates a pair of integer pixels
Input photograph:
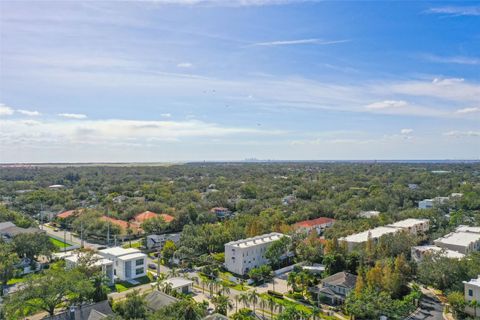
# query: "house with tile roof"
{"type": "Point", "coordinates": [319, 225]}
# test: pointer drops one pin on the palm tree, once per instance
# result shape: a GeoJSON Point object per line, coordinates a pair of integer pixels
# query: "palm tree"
{"type": "Point", "coordinates": [263, 304]}
{"type": "Point", "coordinates": [160, 279]}
{"type": "Point", "coordinates": [271, 304]}
{"type": "Point", "coordinates": [245, 299]}
{"type": "Point", "coordinates": [316, 312]}
{"type": "Point", "coordinates": [173, 273]}
{"type": "Point", "coordinates": [222, 304]}
{"type": "Point", "coordinates": [166, 287]}
{"type": "Point", "coordinates": [237, 300]}
{"type": "Point", "coordinates": [253, 297]}
{"type": "Point", "coordinates": [224, 289]}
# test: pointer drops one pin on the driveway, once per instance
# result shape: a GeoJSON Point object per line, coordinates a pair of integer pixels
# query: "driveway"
{"type": "Point", "coordinates": [430, 308]}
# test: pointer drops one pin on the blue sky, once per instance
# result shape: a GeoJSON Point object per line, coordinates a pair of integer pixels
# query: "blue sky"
{"type": "Point", "coordinates": [173, 80]}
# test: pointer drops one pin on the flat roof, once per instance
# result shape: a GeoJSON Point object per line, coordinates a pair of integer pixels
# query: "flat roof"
{"type": "Point", "coordinates": [179, 282]}
{"type": "Point", "coordinates": [408, 223]}
{"type": "Point", "coordinates": [250, 242]}
{"type": "Point", "coordinates": [375, 233]}
{"type": "Point", "coordinates": [99, 260]}
{"type": "Point", "coordinates": [474, 282]}
{"type": "Point", "coordinates": [445, 252]}
{"type": "Point", "coordinates": [468, 229]}
{"type": "Point", "coordinates": [459, 238]}
{"type": "Point", "coordinates": [118, 251]}
{"type": "Point", "coordinates": [131, 256]}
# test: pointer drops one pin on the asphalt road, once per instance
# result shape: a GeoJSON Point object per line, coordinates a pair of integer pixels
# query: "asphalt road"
{"type": "Point", "coordinates": [430, 309]}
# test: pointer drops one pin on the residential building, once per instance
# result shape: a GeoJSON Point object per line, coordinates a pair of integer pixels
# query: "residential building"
{"type": "Point", "coordinates": [95, 311]}
{"type": "Point", "coordinates": [472, 293]}
{"type": "Point", "coordinates": [432, 203]}
{"type": "Point", "coordinates": [8, 230]}
{"type": "Point", "coordinates": [181, 285]}
{"type": "Point", "coordinates": [289, 200]}
{"type": "Point", "coordinates": [413, 226]}
{"type": "Point", "coordinates": [147, 215]}
{"type": "Point", "coordinates": [70, 213]}
{"type": "Point", "coordinates": [156, 241]}
{"type": "Point", "coordinates": [73, 258]}
{"type": "Point", "coordinates": [243, 255]}
{"type": "Point", "coordinates": [369, 214]}
{"type": "Point", "coordinates": [156, 300]}
{"type": "Point", "coordinates": [412, 186]}
{"type": "Point", "coordinates": [419, 252]}
{"type": "Point", "coordinates": [127, 263]}
{"type": "Point", "coordinates": [123, 225]}
{"type": "Point", "coordinates": [221, 212]}
{"type": "Point", "coordinates": [334, 289]}
{"type": "Point", "coordinates": [319, 225]}
{"type": "Point", "coordinates": [465, 239]}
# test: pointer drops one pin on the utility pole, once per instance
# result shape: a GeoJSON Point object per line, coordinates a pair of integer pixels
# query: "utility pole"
{"type": "Point", "coordinates": [81, 234]}
{"type": "Point", "coordinates": [158, 263]}
{"type": "Point", "coordinates": [65, 239]}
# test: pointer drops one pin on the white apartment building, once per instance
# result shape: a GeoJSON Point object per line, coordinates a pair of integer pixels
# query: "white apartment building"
{"type": "Point", "coordinates": [412, 226]}
{"type": "Point", "coordinates": [243, 255]}
{"type": "Point", "coordinates": [472, 292]}
{"type": "Point", "coordinates": [127, 263]}
{"type": "Point", "coordinates": [464, 240]}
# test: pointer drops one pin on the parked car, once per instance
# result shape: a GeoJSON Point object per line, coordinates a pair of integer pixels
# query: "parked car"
{"type": "Point", "coordinates": [152, 266]}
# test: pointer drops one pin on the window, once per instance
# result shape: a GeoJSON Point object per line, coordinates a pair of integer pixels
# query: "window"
{"type": "Point", "coordinates": [139, 262]}
{"type": "Point", "coordinates": [470, 292]}
{"type": "Point", "coordinates": [138, 271]}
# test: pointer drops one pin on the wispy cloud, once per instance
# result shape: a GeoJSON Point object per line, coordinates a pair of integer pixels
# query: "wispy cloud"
{"type": "Point", "coordinates": [28, 112]}
{"type": "Point", "coordinates": [406, 131]}
{"type": "Point", "coordinates": [230, 3]}
{"type": "Point", "coordinates": [184, 65]}
{"type": "Point", "coordinates": [299, 42]}
{"type": "Point", "coordinates": [166, 115]}
{"type": "Point", "coordinates": [456, 10]}
{"type": "Point", "coordinates": [5, 110]}
{"type": "Point", "coordinates": [468, 110]}
{"type": "Point", "coordinates": [458, 133]}
{"type": "Point", "coordinates": [452, 59]}
{"type": "Point", "coordinates": [73, 115]}
{"type": "Point", "coordinates": [387, 104]}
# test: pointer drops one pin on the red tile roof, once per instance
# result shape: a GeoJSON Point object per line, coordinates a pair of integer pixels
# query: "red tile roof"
{"type": "Point", "coordinates": [168, 218]}
{"type": "Point", "coordinates": [314, 222]}
{"type": "Point", "coordinates": [122, 224]}
{"type": "Point", "coordinates": [141, 217]}
{"type": "Point", "coordinates": [69, 213]}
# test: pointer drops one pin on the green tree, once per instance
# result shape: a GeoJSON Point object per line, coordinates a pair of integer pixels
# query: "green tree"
{"type": "Point", "coordinates": [222, 303]}
{"type": "Point", "coordinates": [133, 307]}
{"type": "Point", "coordinates": [457, 300]}
{"type": "Point", "coordinates": [32, 245]}
{"type": "Point", "coordinates": [168, 250]}
{"type": "Point", "coordinates": [278, 250]}
{"type": "Point", "coordinates": [8, 262]}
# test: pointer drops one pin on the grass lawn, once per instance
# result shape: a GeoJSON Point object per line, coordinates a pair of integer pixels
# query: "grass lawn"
{"type": "Point", "coordinates": [137, 245]}
{"type": "Point", "coordinates": [287, 303]}
{"type": "Point", "coordinates": [124, 285]}
{"type": "Point", "coordinates": [59, 244]}
{"type": "Point", "coordinates": [15, 280]}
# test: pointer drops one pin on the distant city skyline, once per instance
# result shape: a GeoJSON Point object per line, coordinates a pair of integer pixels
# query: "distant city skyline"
{"type": "Point", "coordinates": [194, 80]}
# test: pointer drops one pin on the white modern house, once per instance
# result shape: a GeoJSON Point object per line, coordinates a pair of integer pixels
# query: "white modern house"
{"type": "Point", "coordinates": [243, 255]}
{"type": "Point", "coordinates": [369, 214]}
{"type": "Point", "coordinates": [472, 293]}
{"type": "Point", "coordinates": [72, 259]}
{"type": "Point", "coordinates": [464, 240]}
{"type": "Point", "coordinates": [128, 263]}
{"type": "Point", "coordinates": [413, 226]}
{"type": "Point", "coordinates": [181, 285]}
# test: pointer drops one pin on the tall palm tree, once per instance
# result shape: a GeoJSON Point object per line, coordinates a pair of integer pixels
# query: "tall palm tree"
{"type": "Point", "coordinates": [263, 304]}
{"type": "Point", "coordinates": [222, 304]}
{"type": "Point", "coordinates": [160, 279]}
{"type": "Point", "coordinates": [253, 297]}
{"type": "Point", "coordinates": [245, 299]}
{"type": "Point", "coordinates": [271, 304]}
{"type": "Point", "coordinates": [316, 312]}
{"type": "Point", "coordinates": [237, 300]}
{"type": "Point", "coordinates": [173, 273]}
{"type": "Point", "coordinates": [224, 289]}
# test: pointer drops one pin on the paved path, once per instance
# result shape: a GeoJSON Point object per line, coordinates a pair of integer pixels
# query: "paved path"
{"type": "Point", "coordinates": [430, 308]}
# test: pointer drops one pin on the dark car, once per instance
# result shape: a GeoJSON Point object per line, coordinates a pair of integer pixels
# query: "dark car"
{"type": "Point", "coordinates": [152, 266]}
